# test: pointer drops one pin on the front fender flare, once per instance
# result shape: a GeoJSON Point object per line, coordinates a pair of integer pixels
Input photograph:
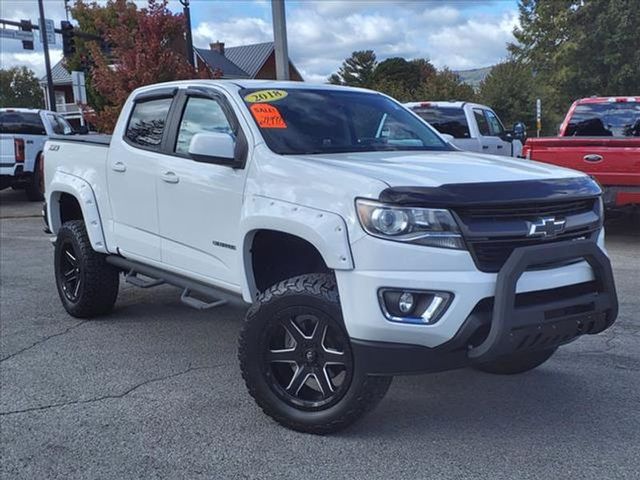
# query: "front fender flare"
{"type": "Point", "coordinates": [326, 231]}
{"type": "Point", "coordinates": [80, 189]}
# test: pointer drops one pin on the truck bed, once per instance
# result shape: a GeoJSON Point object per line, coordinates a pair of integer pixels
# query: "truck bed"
{"type": "Point", "coordinates": [93, 139]}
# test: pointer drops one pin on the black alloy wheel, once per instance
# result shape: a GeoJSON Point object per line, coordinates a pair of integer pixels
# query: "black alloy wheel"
{"type": "Point", "coordinates": [70, 272]}
{"type": "Point", "coordinates": [308, 362]}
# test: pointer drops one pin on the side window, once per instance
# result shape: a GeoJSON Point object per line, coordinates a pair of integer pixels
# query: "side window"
{"type": "Point", "coordinates": [200, 115]}
{"type": "Point", "coordinates": [147, 122]}
{"type": "Point", "coordinates": [59, 125]}
{"type": "Point", "coordinates": [483, 126]}
{"type": "Point", "coordinates": [495, 127]}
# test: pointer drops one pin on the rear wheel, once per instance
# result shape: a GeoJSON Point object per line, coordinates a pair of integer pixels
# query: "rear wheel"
{"type": "Point", "coordinates": [296, 358]}
{"type": "Point", "coordinates": [87, 284]}
{"type": "Point", "coordinates": [517, 362]}
{"type": "Point", "coordinates": [35, 188]}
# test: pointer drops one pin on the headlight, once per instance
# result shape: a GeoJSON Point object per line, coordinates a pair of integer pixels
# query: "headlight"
{"type": "Point", "coordinates": [425, 226]}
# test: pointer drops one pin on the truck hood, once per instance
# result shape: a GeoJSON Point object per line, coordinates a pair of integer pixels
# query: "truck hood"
{"type": "Point", "coordinates": [432, 169]}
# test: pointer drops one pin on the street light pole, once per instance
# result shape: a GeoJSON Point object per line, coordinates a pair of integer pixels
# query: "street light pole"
{"type": "Point", "coordinates": [187, 19]}
{"type": "Point", "coordinates": [47, 60]}
{"type": "Point", "coordinates": [280, 39]}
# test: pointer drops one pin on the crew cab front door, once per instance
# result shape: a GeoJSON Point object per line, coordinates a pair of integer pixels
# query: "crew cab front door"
{"type": "Point", "coordinates": [199, 204]}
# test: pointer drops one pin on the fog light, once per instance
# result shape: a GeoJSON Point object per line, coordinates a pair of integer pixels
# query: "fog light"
{"type": "Point", "coordinates": [405, 304]}
{"type": "Point", "coordinates": [422, 307]}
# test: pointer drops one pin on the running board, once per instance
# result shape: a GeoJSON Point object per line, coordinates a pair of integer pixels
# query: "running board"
{"type": "Point", "coordinates": [218, 296]}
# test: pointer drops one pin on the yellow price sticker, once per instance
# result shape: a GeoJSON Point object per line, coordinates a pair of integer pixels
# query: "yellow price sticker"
{"type": "Point", "coordinates": [265, 96]}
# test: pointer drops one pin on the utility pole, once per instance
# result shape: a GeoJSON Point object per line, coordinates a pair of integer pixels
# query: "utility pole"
{"type": "Point", "coordinates": [187, 19]}
{"type": "Point", "coordinates": [47, 60]}
{"type": "Point", "coordinates": [280, 39]}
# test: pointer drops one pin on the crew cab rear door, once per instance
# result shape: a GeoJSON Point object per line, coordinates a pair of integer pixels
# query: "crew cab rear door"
{"type": "Point", "coordinates": [132, 170]}
{"type": "Point", "coordinates": [199, 204]}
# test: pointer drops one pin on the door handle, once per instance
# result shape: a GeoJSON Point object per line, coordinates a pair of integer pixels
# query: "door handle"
{"type": "Point", "coordinates": [500, 146]}
{"type": "Point", "coordinates": [593, 158]}
{"type": "Point", "coordinates": [170, 177]}
{"type": "Point", "coordinates": [119, 167]}
{"type": "Point", "coordinates": [485, 147]}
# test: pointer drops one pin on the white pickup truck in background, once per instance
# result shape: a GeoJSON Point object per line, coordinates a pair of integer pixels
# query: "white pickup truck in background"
{"type": "Point", "coordinates": [474, 127]}
{"type": "Point", "coordinates": [23, 132]}
{"type": "Point", "coordinates": [367, 245]}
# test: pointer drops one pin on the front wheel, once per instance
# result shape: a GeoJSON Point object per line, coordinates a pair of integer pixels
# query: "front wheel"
{"type": "Point", "coordinates": [296, 358]}
{"type": "Point", "coordinates": [516, 362]}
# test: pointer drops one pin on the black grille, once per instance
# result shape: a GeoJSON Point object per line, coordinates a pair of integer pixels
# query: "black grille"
{"type": "Point", "coordinates": [498, 212]}
{"type": "Point", "coordinates": [490, 255]}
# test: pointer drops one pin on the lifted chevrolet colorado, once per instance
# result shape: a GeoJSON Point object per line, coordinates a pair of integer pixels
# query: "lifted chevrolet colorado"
{"type": "Point", "coordinates": [366, 244]}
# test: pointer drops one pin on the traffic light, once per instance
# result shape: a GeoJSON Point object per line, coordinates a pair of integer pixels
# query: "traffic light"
{"type": "Point", "coordinates": [26, 26]}
{"type": "Point", "coordinates": [68, 38]}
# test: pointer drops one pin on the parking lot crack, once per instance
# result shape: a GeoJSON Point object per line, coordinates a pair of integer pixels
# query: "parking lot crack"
{"type": "Point", "coordinates": [112, 396]}
{"type": "Point", "coordinates": [43, 340]}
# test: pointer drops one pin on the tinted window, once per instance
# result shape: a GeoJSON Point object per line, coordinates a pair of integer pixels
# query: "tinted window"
{"type": "Point", "coordinates": [147, 122]}
{"type": "Point", "coordinates": [483, 125]}
{"type": "Point", "coordinates": [21, 122]}
{"type": "Point", "coordinates": [495, 127]}
{"type": "Point", "coordinates": [59, 125]}
{"type": "Point", "coordinates": [200, 115]}
{"type": "Point", "coordinates": [448, 120]}
{"type": "Point", "coordinates": [308, 121]}
{"type": "Point", "coordinates": [619, 119]}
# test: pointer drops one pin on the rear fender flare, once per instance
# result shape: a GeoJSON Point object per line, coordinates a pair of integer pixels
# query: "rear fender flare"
{"type": "Point", "coordinates": [81, 190]}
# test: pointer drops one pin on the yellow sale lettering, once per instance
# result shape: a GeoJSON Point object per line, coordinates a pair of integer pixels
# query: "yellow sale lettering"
{"type": "Point", "coordinates": [265, 96]}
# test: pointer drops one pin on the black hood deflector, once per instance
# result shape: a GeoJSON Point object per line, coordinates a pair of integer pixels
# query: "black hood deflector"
{"type": "Point", "coordinates": [493, 193]}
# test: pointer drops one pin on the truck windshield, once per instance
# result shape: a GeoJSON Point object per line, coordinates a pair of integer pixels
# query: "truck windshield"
{"type": "Point", "coordinates": [310, 121]}
{"type": "Point", "coordinates": [612, 119]}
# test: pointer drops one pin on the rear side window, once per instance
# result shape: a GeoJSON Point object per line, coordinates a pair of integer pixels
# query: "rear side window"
{"type": "Point", "coordinates": [483, 125]}
{"type": "Point", "coordinates": [451, 121]}
{"type": "Point", "coordinates": [147, 122]}
{"type": "Point", "coordinates": [24, 123]}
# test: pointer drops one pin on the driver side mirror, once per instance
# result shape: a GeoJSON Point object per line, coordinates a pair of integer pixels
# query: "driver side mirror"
{"type": "Point", "coordinates": [213, 147]}
{"type": "Point", "coordinates": [519, 131]}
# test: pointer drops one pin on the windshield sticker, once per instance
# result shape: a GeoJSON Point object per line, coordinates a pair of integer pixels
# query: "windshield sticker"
{"type": "Point", "coordinates": [267, 116]}
{"type": "Point", "coordinates": [265, 96]}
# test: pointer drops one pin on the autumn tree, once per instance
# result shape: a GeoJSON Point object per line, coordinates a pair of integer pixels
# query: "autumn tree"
{"type": "Point", "coordinates": [146, 46]}
{"type": "Point", "coordinates": [357, 70]}
{"type": "Point", "coordinates": [19, 87]}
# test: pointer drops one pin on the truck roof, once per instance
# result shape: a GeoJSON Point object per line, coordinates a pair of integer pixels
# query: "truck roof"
{"type": "Point", "coordinates": [22, 110]}
{"type": "Point", "coordinates": [238, 83]}
{"type": "Point", "coordinates": [583, 101]}
{"type": "Point", "coordinates": [443, 104]}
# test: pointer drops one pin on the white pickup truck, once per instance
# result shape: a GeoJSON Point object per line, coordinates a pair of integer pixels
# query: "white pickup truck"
{"type": "Point", "coordinates": [23, 132]}
{"type": "Point", "coordinates": [367, 245]}
{"type": "Point", "coordinates": [473, 127]}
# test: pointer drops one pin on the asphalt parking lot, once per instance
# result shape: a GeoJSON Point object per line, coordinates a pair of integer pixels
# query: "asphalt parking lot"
{"type": "Point", "coordinates": [154, 391]}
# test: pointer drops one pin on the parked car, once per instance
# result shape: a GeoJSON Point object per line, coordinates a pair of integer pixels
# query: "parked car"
{"type": "Point", "coordinates": [23, 132]}
{"type": "Point", "coordinates": [367, 245]}
{"type": "Point", "coordinates": [474, 127]}
{"type": "Point", "coordinates": [601, 137]}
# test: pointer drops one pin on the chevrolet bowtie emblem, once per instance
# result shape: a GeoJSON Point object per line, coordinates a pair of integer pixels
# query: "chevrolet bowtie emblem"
{"type": "Point", "coordinates": [546, 227]}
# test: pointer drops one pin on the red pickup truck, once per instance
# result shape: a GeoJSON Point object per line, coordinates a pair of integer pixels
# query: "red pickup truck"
{"type": "Point", "coordinates": [599, 136]}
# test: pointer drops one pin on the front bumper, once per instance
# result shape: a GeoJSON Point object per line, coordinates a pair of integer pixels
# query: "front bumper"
{"type": "Point", "coordinates": [509, 321]}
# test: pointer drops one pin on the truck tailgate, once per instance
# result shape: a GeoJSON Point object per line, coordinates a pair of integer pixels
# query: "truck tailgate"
{"type": "Point", "coordinates": [7, 155]}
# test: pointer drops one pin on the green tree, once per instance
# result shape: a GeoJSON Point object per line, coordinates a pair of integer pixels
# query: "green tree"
{"type": "Point", "coordinates": [511, 90]}
{"type": "Point", "coordinates": [357, 70]}
{"type": "Point", "coordinates": [579, 48]}
{"type": "Point", "coordinates": [19, 87]}
{"type": "Point", "coordinates": [445, 85]}
{"type": "Point", "coordinates": [398, 71]}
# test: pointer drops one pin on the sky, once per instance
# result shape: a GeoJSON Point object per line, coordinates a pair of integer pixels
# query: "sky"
{"type": "Point", "coordinates": [459, 34]}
